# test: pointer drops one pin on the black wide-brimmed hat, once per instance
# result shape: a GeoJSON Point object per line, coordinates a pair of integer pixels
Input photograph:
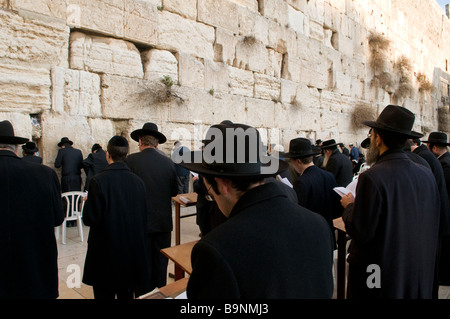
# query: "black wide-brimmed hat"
{"type": "Point", "coordinates": [65, 140]}
{"type": "Point", "coordinates": [232, 150]}
{"type": "Point", "coordinates": [149, 129]}
{"type": "Point", "coordinates": [328, 144]}
{"type": "Point", "coordinates": [300, 147]}
{"type": "Point", "coordinates": [397, 120]}
{"type": "Point", "coordinates": [7, 134]}
{"type": "Point", "coordinates": [438, 138]}
{"type": "Point", "coordinates": [30, 147]}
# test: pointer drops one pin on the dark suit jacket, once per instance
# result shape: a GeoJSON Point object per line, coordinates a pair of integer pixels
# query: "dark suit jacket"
{"type": "Point", "coordinates": [341, 167]}
{"type": "Point", "coordinates": [70, 159]}
{"type": "Point", "coordinates": [160, 179]}
{"type": "Point", "coordinates": [116, 212]}
{"type": "Point", "coordinates": [438, 173]}
{"type": "Point", "coordinates": [394, 224]}
{"type": "Point", "coordinates": [270, 247]}
{"type": "Point", "coordinates": [31, 207]}
{"type": "Point", "coordinates": [94, 164]}
{"type": "Point", "coordinates": [32, 158]}
{"type": "Point", "coordinates": [314, 190]}
{"type": "Point", "coordinates": [445, 162]}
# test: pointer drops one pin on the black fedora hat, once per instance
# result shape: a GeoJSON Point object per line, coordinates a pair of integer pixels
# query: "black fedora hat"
{"type": "Point", "coordinates": [149, 129]}
{"type": "Point", "coordinates": [329, 144]}
{"type": "Point", "coordinates": [7, 134]}
{"type": "Point", "coordinates": [438, 138]}
{"type": "Point", "coordinates": [299, 148]}
{"type": "Point", "coordinates": [232, 150]}
{"type": "Point", "coordinates": [65, 140]}
{"type": "Point", "coordinates": [30, 147]}
{"type": "Point", "coordinates": [397, 120]}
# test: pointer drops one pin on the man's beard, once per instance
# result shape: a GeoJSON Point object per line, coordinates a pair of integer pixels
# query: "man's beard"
{"type": "Point", "coordinates": [372, 155]}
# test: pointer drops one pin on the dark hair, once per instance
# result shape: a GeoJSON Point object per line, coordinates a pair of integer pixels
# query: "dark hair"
{"type": "Point", "coordinates": [117, 153]}
{"type": "Point", "coordinates": [240, 183]}
{"type": "Point", "coordinates": [391, 140]}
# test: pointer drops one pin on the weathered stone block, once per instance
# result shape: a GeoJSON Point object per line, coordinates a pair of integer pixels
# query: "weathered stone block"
{"type": "Point", "coordinates": [24, 89]}
{"type": "Point", "coordinates": [251, 23]}
{"type": "Point", "coordinates": [198, 105]}
{"type": "Point", "coordinates": [76, 92]}
{"type": "Point", "coordinates": [218, 13]}
{"type": "Point", "coordinates": [224, 46]}
{"type": "Point", "coordinates": [296, 20]}
{"type": "Point", "coordinates": [128, 98]}
{"type": "Point", "coordinates": [251, 54]}
{"type": "Point", "coordinates": [228, 107]}
{"type": "Point", "coordinates": [176, 33]}
{"type": "Point", "coordinates": [216, 76]}
{"type": "Point", "coordinates": [267, 87]}
{"type": "Point", "coordinates": [159, 63]}
{"type": "Point", "coordinates": [141, 20]}
{"type": "Point", "coordinates": [191, 71]}
{"type": "Point", "coordinates": [21, 123]}
{"type": "Point", "coordinates": [241, 82]}
{"type": "Point", "coordinates": [185, 8]}
{"type": "Point", "coordinates": [27, 41]}
{"type": "Point", "coordinates": [274, 9]}
{"type": "Point", "coordinates": [104, 55]}
{"type": "Point", "coordinates": [248, 4]}
{"type": "Point", "coordinates": [259, 113]}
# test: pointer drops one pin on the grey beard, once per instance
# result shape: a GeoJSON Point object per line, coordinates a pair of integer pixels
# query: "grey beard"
{"type": "Point", "coordinates": [372, 155]}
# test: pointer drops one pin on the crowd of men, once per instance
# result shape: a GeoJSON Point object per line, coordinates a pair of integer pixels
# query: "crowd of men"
{"type": "Point", "coordinates": [260, 237]}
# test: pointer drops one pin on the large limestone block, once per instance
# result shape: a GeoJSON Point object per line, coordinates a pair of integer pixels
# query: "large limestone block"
{"type": "Point", "coordinates": [224, 46]}
{"type": "Point", "coordinates": [76, 92]}
{"type": "Point", "coordinates": [288, 115]}
{"type": "Point", "coordinates": [27, 41]}
{"type": "Point", "coordinates": [274, 9]}
{"type": "Point", "coordinates": [104, 55]}
{"type": "Point", "coordinates": [141, 20]}
{"type": "Point", "coordinates": [55, 126]}
{"type": "Point", "coordinates": [24, 89]}
{"type": "Point", "coordinates": [216, 76]}
{"type": "Point", "coordinates": [251, 54]}
{"type": "Point", "coordinates": [51, 8]}
{"type": "Point", "coordinates": [191, 71]}
{"type": "Point", "coordinates": [185, 8]}
{"type": "Point", "coordinates": [247, 4]}
{"type": "Point", "coordinates": [296, 20]}
{"type": "Point", "coordinates": [104, 16]}
{"type": "Point", "coordinates": [197, 106]}
{"type": "Point", "coordinates": [176, 33]}
{"type": "Point", "coordinates": [159, 63]}
{"type": "Point", "coordinates": [218, 13]}
{"type": "Point", "coordinates": [251, 23]}
{"type": "Point", "coordinates": [228, 107]}
{"type": "Point", "coordinates": [267, 87]}
{"type": "Point", "coordinates": [101, 131]}
{"type": "Point", "coordinates": [259, 113]}
{"type": "Point", "coordinates": [241, 82]}
{"type": "Point", "coordinates": [128, 98]}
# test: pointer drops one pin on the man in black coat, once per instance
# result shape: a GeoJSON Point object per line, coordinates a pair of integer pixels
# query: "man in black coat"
{"type": "Point", "coordinates": [314, 186]}
{"type": "Point", "coordinates": [31, 209]}
{"type": "Point", "coordinates": [116, 260]}
{"type": "Point", "coordinates": [70, 159]}
{"type": "Point", "coordinates": [28, 151]}
{"type": "Point", "coordinates": [94, 163]}
{"type": "Point", "coordinates": [337, 163]}
{"type": "Point", "coordinates": [437, 144]}
{"type": "Point", "coordinates": [394, 219]}
{"type": "Point", "coordinates": [270, 247]}
{"type": "Point", "coordinates": [160, 179]}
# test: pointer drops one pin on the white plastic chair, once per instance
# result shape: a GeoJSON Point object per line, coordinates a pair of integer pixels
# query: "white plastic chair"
{"type": "Point", "coordinates": [74, 211]}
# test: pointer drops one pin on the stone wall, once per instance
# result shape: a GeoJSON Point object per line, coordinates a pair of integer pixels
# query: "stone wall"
{"type": "Point", "coordinates": [90, 69]}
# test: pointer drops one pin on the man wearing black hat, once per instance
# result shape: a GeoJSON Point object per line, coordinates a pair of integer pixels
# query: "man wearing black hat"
{"type": "Point", "coordinates": [70, 160]}
{"type": "Point", "coordinates": [28, 150]}
{"type": "Point", "coordinates": [437, 144]}
{"type": "Point", "coordinates": [160, 178]}
{"type": "Point", "coordinates": [394, 219]}
{"type": "Point", "coordinates": [31, 209]}
{"type": "Point", "coordinates": [314, 186]}
{"type": "Point", "coordinates": [269, 247]}
{"type": "Point", "coordinates": [337, 163]}
{"type": "Point", "coordinates": [117, 262]}
{"type": "Point", "coordinates": [94, 163]}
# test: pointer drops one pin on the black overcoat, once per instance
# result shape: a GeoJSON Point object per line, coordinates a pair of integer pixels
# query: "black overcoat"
{"type": "Point", "coordinates": [314, 190]}
{"type": "Point", "coordinates": [116, 210]}
{"type": "Point", "coordinates": [394, 223]}
{"type": "Point", "coordinates": [341, 167]}
{"type": "Point", "coordinates": [160, 178]}
{"type": "Point", "coordinates": [31, 209]}
{"type": "Point", "coordinates": [270, 247]}
{"type": "Point", "coordinates": [70, 160]}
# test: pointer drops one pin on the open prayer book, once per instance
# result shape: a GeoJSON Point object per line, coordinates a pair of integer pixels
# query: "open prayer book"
{"type": "Point", "coordinates": [351, 188]}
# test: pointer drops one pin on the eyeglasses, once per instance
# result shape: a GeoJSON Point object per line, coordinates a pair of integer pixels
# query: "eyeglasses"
{"type": "Point", "coordinates": [209, 197]}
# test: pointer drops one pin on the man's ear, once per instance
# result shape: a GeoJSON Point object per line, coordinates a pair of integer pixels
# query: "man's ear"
{"type": "Point", "coordinates": [223, 185]}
